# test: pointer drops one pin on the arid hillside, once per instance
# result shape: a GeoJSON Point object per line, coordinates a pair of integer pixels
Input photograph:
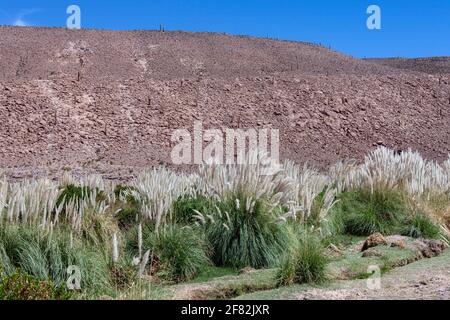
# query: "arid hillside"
{"type": "Point", "coordinates": [433, 65]}
{"type": "Point", "coordinates": [109, 101]}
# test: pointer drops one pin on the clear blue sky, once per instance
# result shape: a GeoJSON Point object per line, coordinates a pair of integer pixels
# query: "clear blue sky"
{"type": "Point", "coordinates": [410, 28]}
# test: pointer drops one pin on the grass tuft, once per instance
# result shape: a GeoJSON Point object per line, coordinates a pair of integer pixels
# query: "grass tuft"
{"type": "Point", "coordinates": [305, 263]}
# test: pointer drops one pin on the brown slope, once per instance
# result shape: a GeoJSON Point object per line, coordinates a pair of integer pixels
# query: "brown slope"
{"type": "Point", "coordinates": [433, 65]}
{"type": "Point", "coordinates": [136, 87]}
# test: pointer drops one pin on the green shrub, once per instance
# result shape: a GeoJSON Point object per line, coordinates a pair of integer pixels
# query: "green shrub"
{"type": "Point", "coordinates": [246, 238]}
{"type": "Point", "coordinates": [183, 209]}
{"type": "Point", "coordinates": [179, 253]}
{"type": "Point", "coordinates": [362, 212]}
{"type": "Point", "coordinates": [420, 226]}
{"type": "Point", "coordinates": [73, 192]}
{"type": "Point", "coordinates": [129, 207]}
{"type": "Point", "coordinates": [21, 286]}
{"type": "Point", "coordinates": [305, 263]}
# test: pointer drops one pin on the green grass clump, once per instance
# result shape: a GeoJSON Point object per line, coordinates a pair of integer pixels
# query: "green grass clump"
{"type": "Point", "coordinates": [362, 212]}
{"type": "Point", "coordinates": [128, 210]}
{"type": "Point", "coordinates": [47, 255]}
{"type": "Point", "coordinates": [178, 253]}
{"type": "Point", "coordinates": [305, 263]}
{"type": "Point", "coordinates": [421, 226]}
{"type": "Point", "coordinates": [183, 209]}
{"type": "Point", "coordinates": [246, 238]}
{"type": "Point", "coordinates": [21, 286]}
{"type": "Point", "coordinates": [73, 192]}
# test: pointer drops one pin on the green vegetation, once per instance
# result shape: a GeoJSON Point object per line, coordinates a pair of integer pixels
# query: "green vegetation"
{"type": "Point", "coordinates": [305, 264]}
{"type": "Point", "coordinates": [246, 236]}
{"type": "Point", "coordinates": [218, 233]}
{"type": "Point", "coordinates": [47, 255]}
{"type": "Point", "coordinates": [363, 212]}
{"type": "Point", "coordinates": [22, 286]}
{"type": "Point", "coordinates": [185, 207]}
{"type": "Point", "coordinates": [178, 253]}
{"type": "Point", "coordinates": [421, 226]}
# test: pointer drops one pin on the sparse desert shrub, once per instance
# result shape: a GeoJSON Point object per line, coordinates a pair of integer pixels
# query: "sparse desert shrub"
{"type": "Point", "coordinates": [181, 252]}
{"type": "Point", "coordinates": [185, 207]}
{"type": "Point", "coordinates": [304, 263]}
{"type": "Point", "coordinates": [363, 212]}
{"type": "Point", "coordinates": [21, 286]}
{"type": "Point", "coordinates": [245, 232]}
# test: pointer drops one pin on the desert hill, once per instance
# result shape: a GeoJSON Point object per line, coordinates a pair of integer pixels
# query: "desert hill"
{"type": "Point", "coordinates": [108, 101]}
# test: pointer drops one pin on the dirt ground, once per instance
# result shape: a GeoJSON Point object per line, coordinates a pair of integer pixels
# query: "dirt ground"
{"type": "Point", "coordinates": [421, 280]}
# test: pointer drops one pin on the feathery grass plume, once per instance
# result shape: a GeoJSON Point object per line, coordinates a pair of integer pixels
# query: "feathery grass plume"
{"type": "Point", "coordinates": [140, 240]}
{"type": "Point", "coordinates": [251, 177]}
{"type": "Point", "coordinates": [157, 189]}
{"type": "Point", "coordinates": [28, 202]}
{"type": "Point", "coordinates": [246, 227]}
{"type": "Point", "coordinates": [385, 169]}
{"type": "Point", "coordinates": [314, 193]}
{"type": "Point", "coordinates": [115, 248]}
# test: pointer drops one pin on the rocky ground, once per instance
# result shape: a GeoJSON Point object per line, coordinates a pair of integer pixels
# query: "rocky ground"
{"type": "Point", "coordinates": [427, 279]}
{"type": "Point", "coordinates": [109, 101]}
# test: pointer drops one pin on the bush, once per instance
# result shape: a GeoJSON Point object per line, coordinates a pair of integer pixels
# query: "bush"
{"type": "Point", "coordinates": [177, 253]}
{"type": "Point", "coordinates": [420, 226]}
{"type": "Point", "coordinates": [246, 236]}
{"type": "Point", "coordinates": [73, 192]}
{"type": "Point", "coordinates": [305, 263]}
{"type": "Point", "coordinates": [362, 212]}
{"type": "Point", "coordinates": [183, 209]}
{"type": "Point", "coordinates": [21, 286]}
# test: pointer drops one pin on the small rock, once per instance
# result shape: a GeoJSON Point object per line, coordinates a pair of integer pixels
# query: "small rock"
{"type": "Point", "coordinates": [373, 240]}
{"type": "Point", "coordinates": [430, 248]}
{"type": "Point", "coordinates": [398, 243]}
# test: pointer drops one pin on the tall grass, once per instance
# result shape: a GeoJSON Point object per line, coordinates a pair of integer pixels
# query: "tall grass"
{"type": "Point", "coordinates": [304, 263]}
{"type": "Point", "coordinates": [47, 255]}
{"type": "Point", "coordinates": [244, 213]}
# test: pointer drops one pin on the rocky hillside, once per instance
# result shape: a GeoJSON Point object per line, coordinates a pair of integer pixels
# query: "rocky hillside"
{"type": "Point", "coordinates": [109, 101]}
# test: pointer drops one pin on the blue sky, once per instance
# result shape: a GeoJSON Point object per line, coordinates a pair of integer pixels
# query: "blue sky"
{"type": "Point", "coordinates": [410, 28]}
